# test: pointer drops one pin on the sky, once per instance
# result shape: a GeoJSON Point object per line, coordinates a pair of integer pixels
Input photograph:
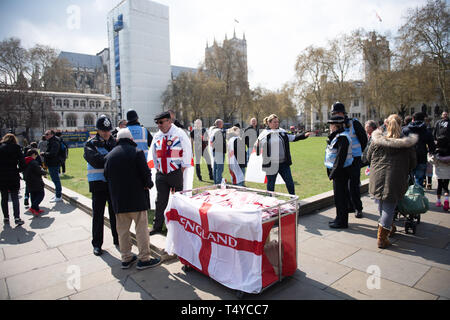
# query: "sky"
{"type": "Point", "coordinates": [276, 31]}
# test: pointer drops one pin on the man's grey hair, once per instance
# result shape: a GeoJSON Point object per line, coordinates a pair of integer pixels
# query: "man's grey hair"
{"type": "Point", "coordinates": [216, 123]}
{"type": "Point", "coordinates": [371, 124]}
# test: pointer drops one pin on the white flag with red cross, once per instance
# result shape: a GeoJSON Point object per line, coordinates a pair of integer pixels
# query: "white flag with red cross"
{"type": "Point", "coordinates": [225, 245]}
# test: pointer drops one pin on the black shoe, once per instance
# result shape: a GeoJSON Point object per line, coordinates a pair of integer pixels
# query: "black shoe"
{"type": "Point", "coordinates": [26, 203]}
{"type": "Point", "coordinates": [19, 221]}
{"type": "Point", "coordinates": [126, 265]}
{"type": "Point", "coordinates": [141, 265]}
{"type": "Point", "coordinates": [98, 251]}
{"type": "Point", "coordinates": [331, 222]}
{"type": "Point", "coordinates": [359, 214]}
{"type": "Point", "coordinates": [155, 231]}
{"type": "Point", "coordinates": [337, 225]}
{"type": "Point", "coordinates": [200, 178]}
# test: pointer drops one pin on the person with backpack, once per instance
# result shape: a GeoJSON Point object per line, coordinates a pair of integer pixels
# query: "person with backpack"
{"type": "Point", "coordinates": [33, 178]}
{"type": "Point", "coordinates": [392, 157]}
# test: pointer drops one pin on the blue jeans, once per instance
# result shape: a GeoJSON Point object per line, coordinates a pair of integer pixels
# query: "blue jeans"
{"type": "Point", "coordinates": [387, 211]}
{"type": "Point", "coordinates": [218, 170]}
{"type": "Point", "coordinates": [219, 160]}
{"type": "Point", "coordinates": [285, 172]}
{"type": "Point", "coordinates": [419, 173]}
{"type": "Point", "coordinates": [54, 174]}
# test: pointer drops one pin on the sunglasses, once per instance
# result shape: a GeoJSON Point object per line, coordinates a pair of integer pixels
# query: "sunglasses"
{"type": "Point", "coordinates": [161, 121]}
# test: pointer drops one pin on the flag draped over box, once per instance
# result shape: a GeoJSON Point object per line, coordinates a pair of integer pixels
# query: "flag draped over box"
{"type": "Point", "coordinates": [226, 246]}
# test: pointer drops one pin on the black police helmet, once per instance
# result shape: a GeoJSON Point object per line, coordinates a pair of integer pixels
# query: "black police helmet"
{"type": "Point", "coordinates": [338, 107]}
{"type": "Point", "coordinates": [104, 124]}
{"type": "Point", "coordinates": [132, 115]}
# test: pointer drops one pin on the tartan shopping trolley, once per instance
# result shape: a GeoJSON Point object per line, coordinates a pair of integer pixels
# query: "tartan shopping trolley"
{"type": "Point", "coordinates": [243, 238]}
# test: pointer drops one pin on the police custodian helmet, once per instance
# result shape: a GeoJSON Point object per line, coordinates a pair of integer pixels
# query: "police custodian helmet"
{"type": "Point", "coordinates": [104, 124]}
{"type": "Point", "coordinates": [338, 107]}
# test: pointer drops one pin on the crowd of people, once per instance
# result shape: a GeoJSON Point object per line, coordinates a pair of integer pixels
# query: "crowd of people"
{"type": "Point", "coordinates": [118, 170]}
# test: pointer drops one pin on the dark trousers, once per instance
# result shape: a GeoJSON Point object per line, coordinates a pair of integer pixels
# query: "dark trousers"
{"type": "Point", "coordinates": [199, 153]}
{"type": "Point", "coordinates": [164, 184]}
{"type": "Point", "coordinates": [341, 198]}
{"type": "Point", "coordinates": [285, 172]}
{"type": "Point", "coordinates": [354, 185]}
{"type": "Point", "coordinates": [99, 199]}
{"type": "Point", "coordinates": [15, 201]}
{"type": "Point", "coordinates": [36, 198]}
{"type": "Point", "coordinates": [442, 185]}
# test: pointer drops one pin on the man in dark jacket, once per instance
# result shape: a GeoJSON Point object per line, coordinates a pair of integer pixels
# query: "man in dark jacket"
{"type": "Point", "coordinates": [95, 152]}
{"type": "Point", "coordinates": [141, 136]}
{"type": "Point", "coordinates": [129, 180]}
{"type": "Point", "coordinates": [359, 142]}
{"type": "Point", "coordinates": [441, 134]}
{"type": "Point", "coordinates": [63, 151]}
{"type": "Point", "coordinates": [53, 162]}
{"type": "Point", "coordinates": [424, 146]}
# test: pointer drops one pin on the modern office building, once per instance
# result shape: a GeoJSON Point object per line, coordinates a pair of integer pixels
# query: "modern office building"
{"type": "Point", "coordinates": [138, 35]}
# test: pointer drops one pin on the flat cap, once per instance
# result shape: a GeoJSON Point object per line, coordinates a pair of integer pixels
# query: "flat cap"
{"type": "Point", "coordinates": [164, 115]}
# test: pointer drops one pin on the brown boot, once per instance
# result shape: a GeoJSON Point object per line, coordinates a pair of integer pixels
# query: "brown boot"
{"type": "Point", "coordinates": [383, 241]}
{"type": "Point", "coordinates": [393, 230]}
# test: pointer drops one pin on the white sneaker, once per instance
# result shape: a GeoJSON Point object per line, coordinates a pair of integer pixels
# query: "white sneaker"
{"type": "Point", "coordinates": [56, 199]}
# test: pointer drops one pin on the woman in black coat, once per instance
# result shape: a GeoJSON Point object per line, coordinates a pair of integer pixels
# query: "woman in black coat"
{"type": "Point", "coordinates": [12, 162]}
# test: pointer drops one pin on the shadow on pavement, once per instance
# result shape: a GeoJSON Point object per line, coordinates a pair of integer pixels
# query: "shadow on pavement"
{"type": "Point", "coordinates": [15, 235]}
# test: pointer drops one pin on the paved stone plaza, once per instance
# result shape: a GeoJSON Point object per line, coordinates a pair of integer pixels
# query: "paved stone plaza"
{"type": "Point", "coordinates": [41, 259]}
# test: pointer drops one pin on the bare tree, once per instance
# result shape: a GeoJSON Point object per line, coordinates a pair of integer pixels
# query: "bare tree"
{"type": "Point", "coordinates": [311, 73]}
{"type": "Point", "coordinates": [425, 35]}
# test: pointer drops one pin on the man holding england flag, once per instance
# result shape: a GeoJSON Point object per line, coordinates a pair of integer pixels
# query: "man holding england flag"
{"type": "Point", "coordinates": [172, 154]}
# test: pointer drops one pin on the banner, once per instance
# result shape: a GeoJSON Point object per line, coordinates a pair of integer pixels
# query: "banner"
{"type": "Point", "coordinates": [75, 139]}
{"type": "Point", "coordinates": [225, 245]}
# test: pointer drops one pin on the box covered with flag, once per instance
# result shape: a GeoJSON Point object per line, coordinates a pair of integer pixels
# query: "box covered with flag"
{"type": "Point", "coordinates": [246, 239]}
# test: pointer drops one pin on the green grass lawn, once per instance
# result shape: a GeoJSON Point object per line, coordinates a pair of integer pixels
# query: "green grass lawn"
{"type": "Point", "coordinates": [308, 171]}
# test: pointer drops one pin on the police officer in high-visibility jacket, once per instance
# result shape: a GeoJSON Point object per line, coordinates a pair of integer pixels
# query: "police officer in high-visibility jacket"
{"type": "Point", "coordinates": [359, 142]}
{"type": "Point", "coordinates": [338, 160]}
{"type": "Point", "coordinates": [141, 136]}
{"type": "Point", "coordinates": [95, 151]}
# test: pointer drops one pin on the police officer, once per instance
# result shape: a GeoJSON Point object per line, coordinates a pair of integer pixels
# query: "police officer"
{"type": "Point", "coordinates": [141, 136]}
{"type": "Point", "coordinates": [359, 142]}
{"type": "Point", "coordinates": [338, 161]}
{"type": "Point", "coordinates": [95, 151]}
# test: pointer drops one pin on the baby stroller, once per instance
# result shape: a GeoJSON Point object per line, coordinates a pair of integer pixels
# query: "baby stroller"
{"type": "Point", "coordinates": [413, 204]}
